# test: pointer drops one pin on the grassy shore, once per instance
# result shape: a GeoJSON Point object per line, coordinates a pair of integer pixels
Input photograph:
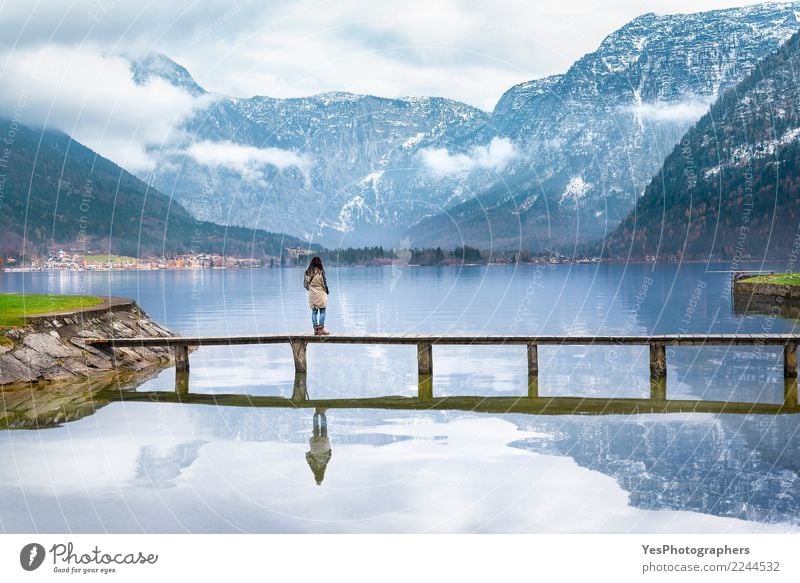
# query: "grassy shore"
{"type": "Point", "coordinates": [778, 278]}
{"type": "Point", "coordinates": [14, 308]}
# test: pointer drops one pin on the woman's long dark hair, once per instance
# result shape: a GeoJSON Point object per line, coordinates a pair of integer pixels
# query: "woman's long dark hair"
{"type": "Point", "coordinates": [315, 262]}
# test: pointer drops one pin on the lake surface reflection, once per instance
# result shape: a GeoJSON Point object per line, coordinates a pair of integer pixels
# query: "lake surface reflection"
{"type": "Point", "coordinates": [154, 466]}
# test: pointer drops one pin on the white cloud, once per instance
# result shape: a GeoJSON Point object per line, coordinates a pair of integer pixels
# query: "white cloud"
{"type": "Point", "coordinates": [248, 160]}
{"type": "Point", "coordinates": [681, 111]}
{"type": "Point", "coordinates": [496, 156]}
{"type": "Point", "coordinates": [93, 98]}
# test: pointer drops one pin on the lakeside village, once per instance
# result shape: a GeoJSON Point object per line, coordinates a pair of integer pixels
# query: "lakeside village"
{"type": "Point", "coordinates": [76, 260]}
{"type": "Point", "coordinates": [73, 260]}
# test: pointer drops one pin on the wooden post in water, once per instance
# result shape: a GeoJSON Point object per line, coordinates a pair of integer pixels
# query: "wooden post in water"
{"type": "Point", "coordinates": [790, 392]}
{"type": "Point", "coordinates": [658, 360]}
{"type": "Point", "coordinates": [300, 390]}
{"type": "Point", "coordinates": [533, 360]}
{"type": "Point", "coordinates": [425, 387]}
{"type": "Point", "coordinates": [181, 359]}
{"type": "Point", "coordinates": [790, 360]}
{"type": "Point", "coordinates": [299, 354]}
{"type": "Point", "coordinates": [425, 358]}
{"type": "Point", "coordinates": [181, 383]}
{"type": "Point", "coordinates": [533, 386]}
{"type": "Point", "coordinates": [658, 388]}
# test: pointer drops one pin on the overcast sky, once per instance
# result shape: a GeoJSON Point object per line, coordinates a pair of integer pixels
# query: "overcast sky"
{"type": "Point", "coordinates": [60, 53]}
{"type": "Point", "coordinates": [465, 49]}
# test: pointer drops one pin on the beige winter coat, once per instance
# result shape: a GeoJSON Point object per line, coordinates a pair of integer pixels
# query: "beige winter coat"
{"type": "Point", "coordinates": [315, 284]}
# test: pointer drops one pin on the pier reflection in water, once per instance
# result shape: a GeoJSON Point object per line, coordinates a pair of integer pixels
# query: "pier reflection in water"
{"type": "Point", "coordinates": [532, 403]}
{"type": "Point", "coordinates": [235, 460]}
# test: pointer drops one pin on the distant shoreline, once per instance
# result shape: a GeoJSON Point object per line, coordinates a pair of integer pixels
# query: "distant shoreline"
{"type": "Point", "coordinates": [392, 265]}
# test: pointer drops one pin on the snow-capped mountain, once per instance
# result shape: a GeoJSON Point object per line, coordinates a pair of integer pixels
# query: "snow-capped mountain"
{"type": "Point", "coordinates": [732, 187]}
{"type": "Point", "coordinates": [158, 66]}
{"type": "Point", "coordinates": [591, 139]}
{"type": "Point", "coordinates": [334, 167]}
{"type": "Point", "coordinates": [560, 160]}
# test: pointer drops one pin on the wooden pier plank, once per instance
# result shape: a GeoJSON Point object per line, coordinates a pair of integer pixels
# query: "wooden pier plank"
{"type": "Point", "coordinates": [451, 339]}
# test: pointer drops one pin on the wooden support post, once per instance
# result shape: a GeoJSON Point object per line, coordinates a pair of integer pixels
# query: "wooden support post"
{"type": "Point", "coordinates": [658, 388]}
{"type": "Point", "coordinates": [790, 392]}
{"type": "Point", "coordinates": [658, 360]}
{"type": "Point", "coordinates": [299, 353]}
{"type": "Point", "coordinates": [181, 383]}
{"type": "Point", "coordinates": [425, 358]}
{"type": "Point", "coordinates": [425, 387]}
{"type": "Point", "coordinates": [533, 386]}
{"type": "Point", "coordinates": [533, 360]}
{"type": "Point", "coordinates": [300, 391]}
{"type": "Point", "coordinates": [790, 360]}
{"type": "Point", "coordinates": [181, 359]}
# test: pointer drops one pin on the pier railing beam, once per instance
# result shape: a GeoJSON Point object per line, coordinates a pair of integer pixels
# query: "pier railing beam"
{"type": "Point", "coordinates": [181, 359]}
{"type": "Point", "coordinates": [790, 360]}
{"type": "Point", "coordinates": [533, 360]}
{"type": "Point", "coordinates": [658, 360]}
{"type": "Point", "coordinates": [425, 358]}
{"type": "Point", "coordinates": [299, 354]}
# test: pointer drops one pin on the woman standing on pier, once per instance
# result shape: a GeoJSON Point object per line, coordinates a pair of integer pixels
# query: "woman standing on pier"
{"type": "Point", "coordinates": [317, 286]}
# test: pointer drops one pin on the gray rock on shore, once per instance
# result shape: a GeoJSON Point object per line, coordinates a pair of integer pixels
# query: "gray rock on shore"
{"type": "Point", "coordinates": [53, 348]}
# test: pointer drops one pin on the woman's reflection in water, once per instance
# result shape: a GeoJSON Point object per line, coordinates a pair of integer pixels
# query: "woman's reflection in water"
{"type": "Point", "coordinates": [319, 453]}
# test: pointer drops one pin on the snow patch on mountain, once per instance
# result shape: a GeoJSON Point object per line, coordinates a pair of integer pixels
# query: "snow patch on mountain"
{"type": "Point", "coordinates": [413, 140]}
{"type": "Point", "coordinates": [747, 153]}
{"type": "Point", "coordinates": [526, 204]}
{"type": "Point", "coordinates": [372, 179]}
{"type": "Point", "coordinates": [576, 189]}
{"type": "Point", "coordinates": [355, 209]}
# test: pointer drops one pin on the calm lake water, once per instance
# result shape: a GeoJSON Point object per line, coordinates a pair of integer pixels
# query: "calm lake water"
{"type": "Point", "coordinates": [161, 467]}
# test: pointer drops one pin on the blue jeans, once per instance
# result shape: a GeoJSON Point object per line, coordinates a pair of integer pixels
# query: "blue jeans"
{"type": "Point", "coordinates": [321, 312]}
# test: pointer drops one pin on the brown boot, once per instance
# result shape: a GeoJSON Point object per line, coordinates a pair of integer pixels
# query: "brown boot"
{"type": "Point", "coordinates": [323, 332]}
{"type": "Point", "coordinates": [316, 330]}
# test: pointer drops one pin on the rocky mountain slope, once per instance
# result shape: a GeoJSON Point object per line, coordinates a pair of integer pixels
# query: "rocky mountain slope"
{"type": "Point", "coordinates": [336, 167]}
{"type": "Point", "coordinates": [731, 188]}
{"type": "Point", "coordinates": [592, 139]}
{"type": "Point", "coordinates": [560, 161]}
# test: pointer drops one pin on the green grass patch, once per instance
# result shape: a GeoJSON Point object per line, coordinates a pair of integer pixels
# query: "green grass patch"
{"type": "Point", "coordinates": [780, 278]}
{"type": "Point", "coordinates": [14, 308]}
{"type": "Point", "coordinates": [111, 258]}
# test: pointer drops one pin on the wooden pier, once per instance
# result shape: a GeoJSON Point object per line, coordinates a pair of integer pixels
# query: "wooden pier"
{"type": "Point", "coordinates": [425, 343]}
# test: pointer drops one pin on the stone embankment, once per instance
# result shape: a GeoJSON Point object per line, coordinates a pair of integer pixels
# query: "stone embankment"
{"type": "Point", "coordinates": [52, 348]}
{"type": "Point", "coordinates": [777, 290]}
